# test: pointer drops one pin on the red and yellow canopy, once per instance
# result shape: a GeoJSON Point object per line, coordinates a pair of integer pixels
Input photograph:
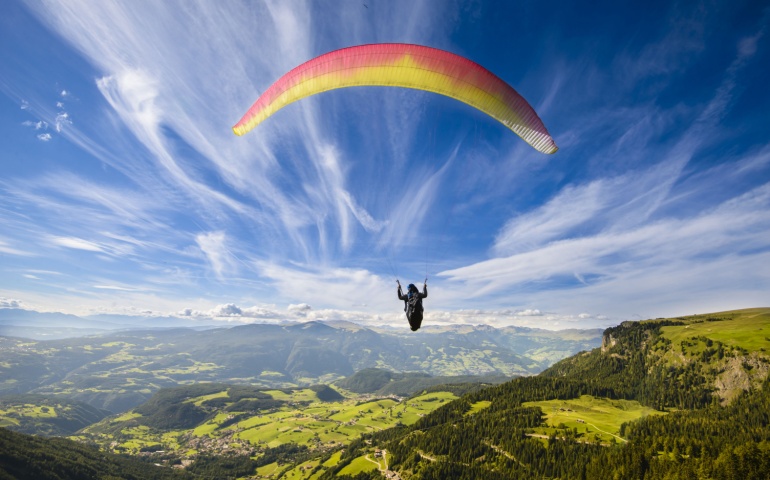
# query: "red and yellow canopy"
{"type": "Point", "coordinates": [408, 66]}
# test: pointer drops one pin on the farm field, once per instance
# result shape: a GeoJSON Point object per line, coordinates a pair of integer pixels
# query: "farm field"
{"type": "Point", "coordinates": [301, 419]}
{"type": "Point", "coordinates": [329, 423]}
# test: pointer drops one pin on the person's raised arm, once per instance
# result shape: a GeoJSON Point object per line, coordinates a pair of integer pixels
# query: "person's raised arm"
{"type": "Point", "coordinates": [398, 292]}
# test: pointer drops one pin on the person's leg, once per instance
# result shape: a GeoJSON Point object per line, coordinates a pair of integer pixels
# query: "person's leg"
{"type": "Point", "coordinates": [415, 321]}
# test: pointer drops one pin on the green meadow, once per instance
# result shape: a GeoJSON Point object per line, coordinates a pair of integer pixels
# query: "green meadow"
{"type": "Point", "coordinates": [12, 415]}
{"type": "Point", "coordinates": [594, 419]}
{"type": "Point", "coordinates": [325, 423]}
{"type": "Point", "coordinates": [746, 329]}
{"type": "Point", "coordinates": [358, 465]}
{"type": "Point", "coordinates": [478, 406]}
{"type": "Point", "coordinates": [27, 410]}
{"type": "Point", "coordinates": [40, 415]}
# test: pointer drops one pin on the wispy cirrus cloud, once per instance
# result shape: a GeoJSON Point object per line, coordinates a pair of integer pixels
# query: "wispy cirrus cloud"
{"type": "Point", "coordinates": [652, 254]}
{"type": "Point", "coordinates": [76, 243]}
{"type": "Point", "coordinates": [219, 257]}
{"type": "Point", "coordinates": [117, 287]}
{"type": "Point", "coordinates": [122, 41]}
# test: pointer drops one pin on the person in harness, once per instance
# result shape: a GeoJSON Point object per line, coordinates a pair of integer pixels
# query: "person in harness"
{"type": "Point", "coordinates": [413, 303]}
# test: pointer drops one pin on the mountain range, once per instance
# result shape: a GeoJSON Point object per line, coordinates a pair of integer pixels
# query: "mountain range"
{"type": "Point", "coordinates": [120, 369]}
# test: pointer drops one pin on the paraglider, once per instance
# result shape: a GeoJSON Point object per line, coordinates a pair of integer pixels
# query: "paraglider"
{"type": "Point", "coordinates": [408, 66]}
{"type": "Point", "coordinates": [413, 303]}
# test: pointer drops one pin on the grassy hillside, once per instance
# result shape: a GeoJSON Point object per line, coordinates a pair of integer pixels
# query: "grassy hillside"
{"type": "Point", "coordinates": [592, 419]}
{"type": "Point", "coordinates": [667, 398]}
{"type": "Point", "coordinates": [40, 415]}
{"type": "Point", "coordinates": [681, 362]}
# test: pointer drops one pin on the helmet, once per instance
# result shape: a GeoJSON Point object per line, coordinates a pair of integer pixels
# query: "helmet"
{"type": "Point", "coordinates": [411, 287]}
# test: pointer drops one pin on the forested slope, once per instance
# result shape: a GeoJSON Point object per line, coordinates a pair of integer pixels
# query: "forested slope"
{"type": "Point", "coordinates": [41, 415]}
{"type": "Point", "coordinates": [25, 457]}
{"type": "Point", "coordinates": [707, 375]}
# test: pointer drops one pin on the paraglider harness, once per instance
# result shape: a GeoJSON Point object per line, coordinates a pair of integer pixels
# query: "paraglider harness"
{"type": "Point", "coordinates": [413, 307]}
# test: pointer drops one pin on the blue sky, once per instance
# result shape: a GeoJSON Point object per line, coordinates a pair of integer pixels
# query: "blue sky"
{"type": "Point", "coordinates": [123, 189]}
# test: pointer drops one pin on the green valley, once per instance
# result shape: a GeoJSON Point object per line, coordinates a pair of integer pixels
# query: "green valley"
{"type": "Point", "coordinates": [251, 423]}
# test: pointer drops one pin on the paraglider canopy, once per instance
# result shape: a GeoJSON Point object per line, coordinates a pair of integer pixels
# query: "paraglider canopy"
{"type": "Point", "coordinates": [408, 66]}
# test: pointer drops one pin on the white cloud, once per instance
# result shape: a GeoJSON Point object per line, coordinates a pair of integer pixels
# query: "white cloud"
{"type": "Point", "coordinates": [303, 313]}
{"type": "Point", "coordinates": [44, 137]}
{"type": "Point", "coordinates": [61, 121]}
{"type": "Point", "coordinates": [9, 303]}
{"type": "Point", "coordinates": [117, 287]}
{"type": "Point", "coordinates": [76, 243]}
{"type": "Point", "coordinates": [39, 125]}
{"type": "Point", "coordinates": [572, 207]}
{"type": "Point", "coordinates": [337, 288]}
{"type": "Point", "coordinates": [229, 310]}
{"type": "Point", "coordinates": [232, 312]}
{"type": "Point", "coordinates": [214, 247]}
{"type": "Point", "coordinates": [134, 95]}
{"type": "Point", "coordinates": [301, 307]}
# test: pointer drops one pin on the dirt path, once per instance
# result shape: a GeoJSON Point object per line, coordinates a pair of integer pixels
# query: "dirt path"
{"type": "Point", "coordinates": [392, 475]}
{"type": "Point", "coordinates": [508, 455]}
{"type": "Point", "coordinates": [608, 433]}
{"type": "Point", "coordinates": [379, 467]}
{"type": "Point", "coordinates": [426, 456]}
